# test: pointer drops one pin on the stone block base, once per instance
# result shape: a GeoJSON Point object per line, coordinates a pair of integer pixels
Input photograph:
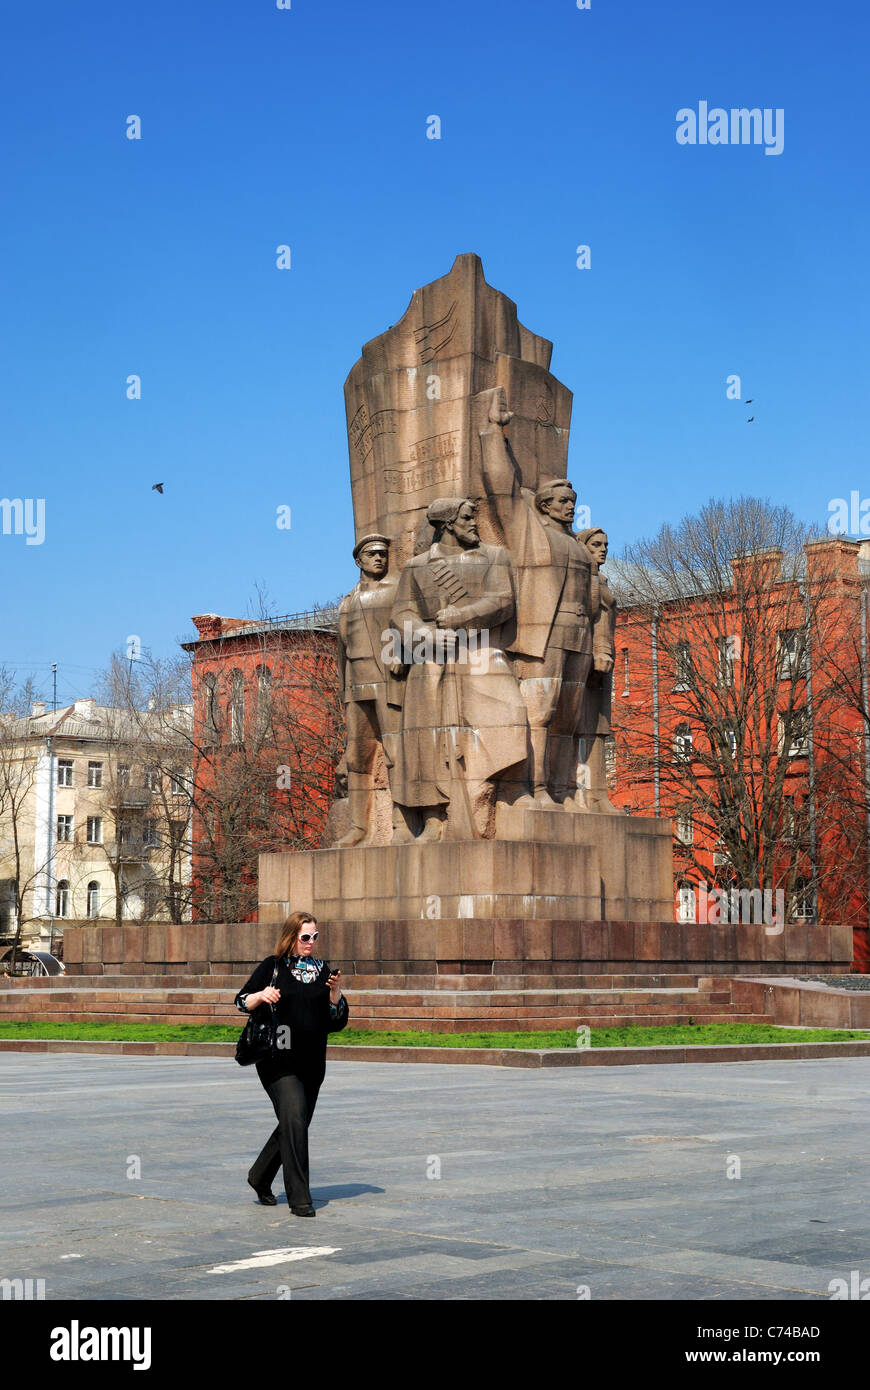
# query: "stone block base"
{"type": "Point", "coordinates": [553, 865]}
{"type": "Point", "coordinates": [406, 954]}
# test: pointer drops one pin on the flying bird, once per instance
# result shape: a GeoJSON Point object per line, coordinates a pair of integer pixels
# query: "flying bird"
{"type": "Point", "coordinates": [749, 401]}
{"type": "Point", "coordinates": [751, 418]}
{"type": "Point", "coordinates": [157, 487]}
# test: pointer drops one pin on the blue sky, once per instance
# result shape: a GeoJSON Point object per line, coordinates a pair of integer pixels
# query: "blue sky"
{"type": "Point", "coordinates": [308, 127]}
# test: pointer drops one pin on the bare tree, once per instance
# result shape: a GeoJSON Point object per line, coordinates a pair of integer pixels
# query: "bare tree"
{"type": "Point", "coordinates": [259, 753]}
{"type": "Point", "coordinates": [736, 621]}
{"type": "Point", "coordinates": [144, 781]}
{"type": "Point", "coordinates": [20, 746]}
{"type": "Point", "coordinates": [848, 826]}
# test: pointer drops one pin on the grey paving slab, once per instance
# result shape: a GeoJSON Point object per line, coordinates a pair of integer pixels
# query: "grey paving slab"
{"type": "Point", "coordinates": [550, 1181]}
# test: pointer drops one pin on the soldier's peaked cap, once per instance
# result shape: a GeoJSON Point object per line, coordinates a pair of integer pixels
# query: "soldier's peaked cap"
{"type": "Point", "coordinates": [367, 540]}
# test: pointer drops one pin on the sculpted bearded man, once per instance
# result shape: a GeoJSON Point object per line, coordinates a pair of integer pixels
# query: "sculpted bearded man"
{"type": "Point", "coordinates": [463, 719]}
{"type": "Point", "coordinates": [557, 637]}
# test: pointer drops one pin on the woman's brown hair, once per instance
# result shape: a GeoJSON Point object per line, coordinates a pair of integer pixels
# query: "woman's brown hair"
{"type": "Point", "coordinates": [290, 931]}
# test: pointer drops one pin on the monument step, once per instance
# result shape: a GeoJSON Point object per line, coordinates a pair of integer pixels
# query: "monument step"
{"type": "Point", "coordinates": [503, 998]}
{"type": "Point", "coordinates": [115, 1000]}
{"type": "Point", "coordinates": [547, 978]}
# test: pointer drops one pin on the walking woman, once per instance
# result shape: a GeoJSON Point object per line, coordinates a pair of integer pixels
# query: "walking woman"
{"type": "Point", "coordinates": [309, 1002]}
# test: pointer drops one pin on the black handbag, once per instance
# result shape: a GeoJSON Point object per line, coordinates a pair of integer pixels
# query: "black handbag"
{"type": "Point", "coordinates": [259, 1037]}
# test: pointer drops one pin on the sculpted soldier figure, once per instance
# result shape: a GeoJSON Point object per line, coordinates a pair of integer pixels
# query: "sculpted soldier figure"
{"type": "Point", "coordinates": [463, 719]}
{"type": "Point", "coordinates": [371, 690]}
{"type": "Point", "coordinates": [599, 684]}
{"type": "Point", "coordinates": [557, 603]}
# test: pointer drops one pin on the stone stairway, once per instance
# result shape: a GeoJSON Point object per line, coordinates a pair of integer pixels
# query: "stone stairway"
{"type": "Point", "coordinates": [430, 1003]}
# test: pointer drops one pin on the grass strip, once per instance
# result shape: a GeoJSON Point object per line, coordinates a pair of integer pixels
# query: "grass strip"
{"type": "Point", "coordinates": [682, 1035]}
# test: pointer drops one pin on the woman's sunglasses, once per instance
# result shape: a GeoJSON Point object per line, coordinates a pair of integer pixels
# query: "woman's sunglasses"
{"type": "Point", "coordinates": [309, 935]}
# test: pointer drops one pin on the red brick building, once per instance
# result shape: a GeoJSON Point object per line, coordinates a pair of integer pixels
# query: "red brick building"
{"type": "Point", "coordinates": [268, 734]}
{"type": "Point", "coordinates": [751, 703]}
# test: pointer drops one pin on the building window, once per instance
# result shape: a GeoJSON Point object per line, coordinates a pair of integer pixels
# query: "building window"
{"type": "Point", "coordinates": [64, 827]}
{"type": "Point", "coordinates": [210, 900]}
{"type": "Point", "coordinates": [728, 648]}
{"type": "Point", "coordinates": [95, 774]}
{"type": "Point", "coordinates": [237, 707]}
{"type": "Point", "coordinates": [8, 913]}
{"type": "Point", "coordinates": [801, 906]}
{"type": "Point", "coordinates": [610, 761]}
{"type": "Point", "coordinates": [790, 826]}
{"type": "Point", "coordinates": [124, 829]}
{"type": "Point", "coordinates": [150, 900]}
{"type": "Point", "coordinates": [95, 830]}
{"type": "Point", "coordinates": [151, 778]}
{"type": "Point", "coordinates": [179, 782]}
{"type": "Point", "coordinates": [93, 898]}
{"type": "Point", "coordinates": [123, 775]}
{"type": "Point", "coordinates": [210, 697]}
{"type": "Point", "coordinates": [149, 832]}
{"type": "Point", "coordinates": [61, 907]}
{"type": "Point", "coordinates": [686, 910]}
{"type": "Point", "coordinates": [625, 672]}
{"type": "Point", "coordinates": [683, 743]}
{"type": "Point", "coordinates": [264, 700]}
{"type": "Point", "coordinates": [731, 739]}
{"type": "Point", "coordinates": [177, 831]}
{"type": "Point", "coordinates": [64, 772]}
{"type": "Point", "coordinates": [792, 654]}
{"type": "Point", "coordinates": [684, 826]}
{"type": "Point", "coordinates": [794, 734]}
{"type": "Point", "coordinates": [684, 671]}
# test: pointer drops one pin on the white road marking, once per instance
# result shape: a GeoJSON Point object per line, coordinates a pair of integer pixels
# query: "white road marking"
{"type": "Point", "coordinates": [261, 1258]}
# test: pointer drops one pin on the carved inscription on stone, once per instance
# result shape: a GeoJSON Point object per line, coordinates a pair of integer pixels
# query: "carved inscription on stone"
{"type": "Point", "coordinates": [418, 479]}
{"type": "Point", "coordinates": [433, 459]}
{"type": "Point", "coordinates": [437, 446]}
{"type": "Point", "coordinates": [359, 434]}
{"type": "Point", "coordinates": [362, 431]}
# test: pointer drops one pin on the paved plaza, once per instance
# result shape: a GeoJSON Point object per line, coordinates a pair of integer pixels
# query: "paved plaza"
{"type": "Point", "coordinates": [611, 1179]}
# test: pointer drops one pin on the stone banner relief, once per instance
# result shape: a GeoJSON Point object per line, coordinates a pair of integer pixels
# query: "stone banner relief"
{"type": "Point", "coordinates": [476, 651]}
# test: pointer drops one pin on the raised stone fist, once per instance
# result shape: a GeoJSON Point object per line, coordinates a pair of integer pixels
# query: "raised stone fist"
{"type": "Point", "coordinates": [498, 411]}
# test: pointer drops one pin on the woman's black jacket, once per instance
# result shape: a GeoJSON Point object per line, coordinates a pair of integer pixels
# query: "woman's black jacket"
{"type": "Point", "coordinates": [306, 1009]}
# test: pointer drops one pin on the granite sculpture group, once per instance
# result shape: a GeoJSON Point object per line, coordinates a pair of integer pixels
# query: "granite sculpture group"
{"type": "Point", "coordinates": [476, 651]}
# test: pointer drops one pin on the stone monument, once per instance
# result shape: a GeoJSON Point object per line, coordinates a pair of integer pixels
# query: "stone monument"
{"type": "Point", "coordinates": [476, 650]}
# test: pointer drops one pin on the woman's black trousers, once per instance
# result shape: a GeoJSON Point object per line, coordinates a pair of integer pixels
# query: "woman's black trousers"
{"type": "Point", "coordinates": [294, 1100]}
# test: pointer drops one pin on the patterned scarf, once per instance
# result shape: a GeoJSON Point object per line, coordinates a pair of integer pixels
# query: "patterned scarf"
{"type": "Point", "coordinates": [305, 969]}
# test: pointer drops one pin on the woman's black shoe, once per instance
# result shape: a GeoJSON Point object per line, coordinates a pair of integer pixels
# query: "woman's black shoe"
{"type": "Point", "coordinates": [303, 1211]}
{"type": "Point", "coordinates": [265, 1195]}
